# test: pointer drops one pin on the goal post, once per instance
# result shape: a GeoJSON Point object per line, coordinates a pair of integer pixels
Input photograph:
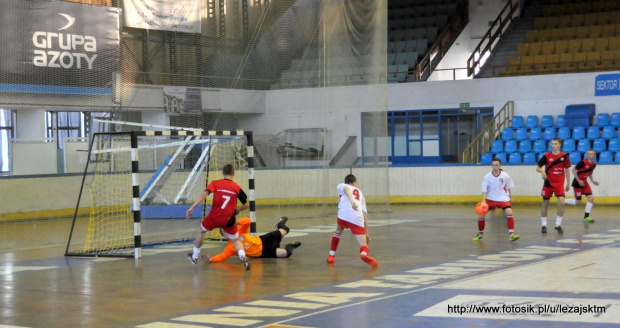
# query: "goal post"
{"type": "Point", "coordinates": [138, 185]}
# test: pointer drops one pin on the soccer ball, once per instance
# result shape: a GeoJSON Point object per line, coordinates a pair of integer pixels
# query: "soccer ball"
{"type": "Point", "coordinates": [482, 208]}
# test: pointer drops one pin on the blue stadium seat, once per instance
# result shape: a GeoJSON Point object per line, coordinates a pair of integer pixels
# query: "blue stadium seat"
{"type": "Point", "coordinates": [583, 145]}
{"type": "Point", "coordinates": [531, 121]}
{"type": "Point", "coordinates": [560, 121]}
{"type": "Point", "coordinates": [564, 133]}
{"type": "Point", "coordinates": [521, 133]}
{"type": "Point", "coordinates": [501, 156]}
{"type": "Point", "coordinates": [546, 121]}
{"type": "Point", "coordinates": [609, 132]}
{"type": "Point", "coordinates": [525, 146]}
{"type": "Point", "coordinates": [574, 157]}
{"type": "Point", "coordinates": [508, 134]}
{"type": "Point", "coordinates": [602, 119]}
{"type": "Point", "coordinates": [605, 157]}
{"type": "Point", "coordinates": [617, 158]}
{"type": "Point", "coordinates": [514, 158]}
{"type": "Point", "coordinates": [517, 122]}
{"type": "Point", "coordinates": [579, 132]}
{"type": "Point", "coordinates": [549, 147]}
{"type": "Point", "coordinates": [615, 119]}
{"type": "Point", "coordinates": [569, 145]}
{"type": "Point", "coordinates": [614, 144]}
{"type": "Point", "coordinates": [510, 146]}
{"type": "Point", "coordinates": [539, 146]}
{"type": "Point", "coordinates": [497, 146]}
{"type": "Point", "coordinates": [535, 133]}
{"type": "Point", "coordinates": [599, 145]}
{"type": "Point", "coordinates": [549, 133]}
{"type": "Point", "coordinates": [529, 158]}
{"type": "Point", "coordinates": [486, 158]}
{"type": "Point", "coordinates": [593, 132]}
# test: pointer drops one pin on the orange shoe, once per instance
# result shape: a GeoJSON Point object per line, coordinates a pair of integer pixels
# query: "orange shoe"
{"type": "Point", "coordinates": [331, 259]}
{"type": "Point", "coordinates": [372, 262]}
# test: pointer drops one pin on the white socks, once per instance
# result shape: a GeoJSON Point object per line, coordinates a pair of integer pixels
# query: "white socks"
{"type": "Point", "coordinates": [589, 207]}
{"type": "Point", "coordinates": [241, 254]}
{"type": "Point", "coordinates": [570, 201]}
{"type": "Point", "coordinates": [196, 253]}
{"type": "Point", "coordinates": [558, 221]}
{"type": "Point", "coordinates": [543, 221]}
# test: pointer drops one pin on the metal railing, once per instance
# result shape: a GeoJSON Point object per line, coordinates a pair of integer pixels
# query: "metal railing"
{"type": "Point", "coordinates": [490, 131]}
{"type": "Point", "coordinates": [488, 42]}
{"type": "Point", "coordinates": [425, 68]}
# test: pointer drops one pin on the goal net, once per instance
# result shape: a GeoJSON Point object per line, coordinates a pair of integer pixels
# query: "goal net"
{"type": "Point", "coordinates": [138, 186]}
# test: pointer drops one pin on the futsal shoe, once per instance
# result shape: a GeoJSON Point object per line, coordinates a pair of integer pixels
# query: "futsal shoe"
{"type": "Point", "coordinates": [331, 259]}
{"type": "Point", "coordinates": [246, 262]}
{"type": "Point", "coordinates": [478, 237]}
{"type": "Point", "coordinates": [191, 258]}
{"type": "Point", "coordinates": [514, 237]}
{"type": "Point", "coordinates": [294, 245]}
{"type": "Point", "coordinates": [588, 219]}
{"type": "Point", "coordinates": [559, 229]}
{"type": "Point", "coordinates": [281, 222]}
{"type": "Point", "coordinates": [544, 229]}
{"type": "Point", "coordinates": [369, 260]}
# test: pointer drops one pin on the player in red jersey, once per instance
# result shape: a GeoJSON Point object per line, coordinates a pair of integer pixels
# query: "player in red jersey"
{"type": "Point", "coordinates": [222, 215]}
{"type": "Point", "coordinates": [556, 171]}
{"type": "Point", "coordinates": [581, 171]}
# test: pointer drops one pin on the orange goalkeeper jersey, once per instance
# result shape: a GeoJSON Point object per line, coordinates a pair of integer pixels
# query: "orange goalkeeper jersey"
{"type": "Point", "coordinates": [252, 245]}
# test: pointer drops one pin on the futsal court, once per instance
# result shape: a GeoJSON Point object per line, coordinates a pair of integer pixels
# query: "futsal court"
{"type": "Point", "coordinates": [428, 263]}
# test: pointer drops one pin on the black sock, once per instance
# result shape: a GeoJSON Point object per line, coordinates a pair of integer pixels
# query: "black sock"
{"type": "Point", "coordinates": [289, 250]}
{"type": "Point", "coordinates": [586, 215]}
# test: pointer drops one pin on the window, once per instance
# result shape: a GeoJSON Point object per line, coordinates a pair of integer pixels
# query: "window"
{"type": "Point", "coordinates": [7, 132]}
{"type": "Point", "coordinates": [72, 124]}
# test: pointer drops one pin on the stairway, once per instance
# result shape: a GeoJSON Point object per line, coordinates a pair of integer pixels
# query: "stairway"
{"type": "Point", "coordinates": [507, 45]}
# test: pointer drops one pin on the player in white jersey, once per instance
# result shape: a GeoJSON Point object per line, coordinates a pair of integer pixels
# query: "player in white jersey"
{"type": "Point", "coordinates": [352, 214]}
{"type": "Point", "coordinates": [496, 187]}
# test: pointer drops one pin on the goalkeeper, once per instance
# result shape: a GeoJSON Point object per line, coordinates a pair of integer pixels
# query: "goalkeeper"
{"type": "Point", "coordinates": [266, 246]}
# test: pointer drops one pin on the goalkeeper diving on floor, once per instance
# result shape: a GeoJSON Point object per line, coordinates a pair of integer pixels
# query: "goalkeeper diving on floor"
{"type": "Point", "coordinates": [265, 246]}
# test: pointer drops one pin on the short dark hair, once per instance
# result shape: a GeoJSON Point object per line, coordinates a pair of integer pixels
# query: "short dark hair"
{"type": "Point", "coordinates": [558, 139]}
{"type": "Point", "coordinates": [495, 159]}
{"type": "Point", "coordinates": [228, 169]}
{"type": "Point", "coordinates": [349, 179]}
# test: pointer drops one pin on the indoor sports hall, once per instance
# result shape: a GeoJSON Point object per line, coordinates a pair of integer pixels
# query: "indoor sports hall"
{"type": "Point", "coordinates": [115, 116]}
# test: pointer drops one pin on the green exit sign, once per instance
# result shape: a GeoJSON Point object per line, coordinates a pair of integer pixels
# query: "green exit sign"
{"type": "Point", "coordinates": [464, 106]}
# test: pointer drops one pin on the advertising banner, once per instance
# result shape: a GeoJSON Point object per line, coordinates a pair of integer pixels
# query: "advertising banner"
{"type": "Point", "coordinates": [182, 100]}
{"type": "Point", "coordinates": [58, 43]}
{"type": "Point", "coordinates": [167, 15]}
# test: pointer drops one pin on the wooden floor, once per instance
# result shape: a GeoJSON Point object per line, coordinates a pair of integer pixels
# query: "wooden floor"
{"type": "Point", "coordinates": [42, 288]}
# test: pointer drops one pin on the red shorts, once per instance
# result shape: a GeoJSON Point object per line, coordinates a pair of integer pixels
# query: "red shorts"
{"type": "Point", "coordinates": [210, 223]}
{"type": "Point", "coordinates": [495, 205]}
{"type": "Point", "coordinates": [585, 190]}
{"type": "Point", "coordinates": [547, 192]}
{"type": "Point", "coordinates": [355, 229]}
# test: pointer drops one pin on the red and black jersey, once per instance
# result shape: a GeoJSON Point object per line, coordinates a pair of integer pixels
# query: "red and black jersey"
{"type": "Point", "coordinates": [225, 195]}
{"type": "Point", "coordinates": [554, 168]}
{"type": "Point", "coordinates": [584, 169]}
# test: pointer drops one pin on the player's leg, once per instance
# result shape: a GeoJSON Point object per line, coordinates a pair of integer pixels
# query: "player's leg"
{"type": "Point", "coordinates": [560, 213]}
{"type": "Point", "coordinates": [335, 241]}
{"type": "Point", "coordinates": [481, 224]}
{"type": "Point", "coordinates": [287, 251]}
{"type": "Point", "coordinates": [577, 199]}
{"type": "Point", "coordinates": [543, 212]}
{"type": "Point", "coordinates": [589, 205]}
{"type": "Point", "coordinates": [360, 236]}
{"type": "Point", "coordinates": [510, 222]}
{"type": "Point", "coordinates": [231, 234]}
{"type": "Point", "coordinates": [205, 226]}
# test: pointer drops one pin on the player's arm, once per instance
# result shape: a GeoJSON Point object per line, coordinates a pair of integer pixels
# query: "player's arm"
{"type": "Point", "coordinates": [592, 177]}
{"type": "Point", "coordinates": [198, 201]}
{"type": "Point", "coordinates": [574, 170]}
{"type": "Point", "coordinates": [349, 193]}
{"type": "Point", "coordinates": [243, 199]}
{"type": "Point", "coordinates": [225, 254]}
{"type": "Point", "coordinates": [366, 227]}
{"type": "Point", "coordinates": [484, 196]}
{"type": "Point", "coordinates": [567, 172]}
